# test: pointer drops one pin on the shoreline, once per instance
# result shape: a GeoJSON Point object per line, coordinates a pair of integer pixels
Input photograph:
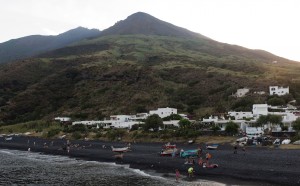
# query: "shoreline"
{"type": "Point", "coordinates": [259, 165]}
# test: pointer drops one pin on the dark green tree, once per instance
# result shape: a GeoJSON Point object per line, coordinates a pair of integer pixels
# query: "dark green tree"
{"type": "Point", "coordinates": [215, 128]}
{"type": "Point", "coordinates": [172, 117]}
{"type": "Point", "coordinates": [184, 123]}
{"type": "Point", "coordinates": [276, 101]}
{"type": "Point", "coordinates": [274, 119]}
{"type": "Point", "coordinates": [261, 120]}
{"type": "Point", "coordinates": [231, 128]}
{"type": "Point", "coordinates": [296, 125]}
{"type": "Point", "coordinates": [153, 122]}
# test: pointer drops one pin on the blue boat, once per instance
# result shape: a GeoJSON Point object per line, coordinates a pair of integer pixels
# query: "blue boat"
{"type": "Point", "coordinates": [189, 153]}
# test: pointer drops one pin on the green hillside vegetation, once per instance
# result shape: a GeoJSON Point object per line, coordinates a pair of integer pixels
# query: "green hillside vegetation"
{"type": "Point", "coordinates": [36, 44]}
{"type": "Point", "coordinates": [126, 74]}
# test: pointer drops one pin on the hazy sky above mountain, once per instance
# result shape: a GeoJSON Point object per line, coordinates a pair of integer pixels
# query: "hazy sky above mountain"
{"type": "Point", "coordinates": [271, 25]}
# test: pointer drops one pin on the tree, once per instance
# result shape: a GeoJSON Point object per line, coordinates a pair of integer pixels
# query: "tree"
{"type": "Point", "coordinates": [153, 122]}
{"type": "Point", "coordinates": [296, 125]}
{"type": "Point", "coordinates": [275, 101]}
{"type": "Point", "coordinates": [172, 117]}
{"type": "Point", "coordinates": [274, 119]}
{"type": "Point", "coordinates": [231, 128]}
{"type": "Point", "coordinates": [215, 128]}
{"type": "Point", "coordinates": [261, 120]}
{"type": "Point", "coordinates": [184, 123]}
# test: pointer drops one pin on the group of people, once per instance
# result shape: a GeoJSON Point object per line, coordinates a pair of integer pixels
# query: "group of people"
{"type": "Point", "coordinates": [192, 160]}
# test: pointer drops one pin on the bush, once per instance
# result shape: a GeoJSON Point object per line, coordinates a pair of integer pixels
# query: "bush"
{"type": "Point", "coordinates": [79, 128]}
{"type": "Point", "coordinates": [53, 132]}
{"type": "Point", "coordinates": [76, 135]}
{"type": "Point", "coordinates": [215, 128]}
{"type": "Point", "coordinates": [115, 133]}
{"type": "Point", "coordinates": [231, 128]}
{"type": "Point", "coordinates": [134, 127]}
{"type": "Point", "coordinates": [295, 138]}
{"type": "Point", "coordinates": [98, 135]}
{"type": "Point", "coordinates": [276, 101]}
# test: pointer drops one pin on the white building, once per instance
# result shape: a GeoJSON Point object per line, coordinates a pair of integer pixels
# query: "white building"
{"type": "Point", "coordinates": [121, 121]}
{"type": "Point", "coordinates": [174, 123]}
{"type": "Point", "coordinates": [115, 121]}
{"type": "Point", "coordinates": [240, 115]}
{"type": "Point", "coordinates": [87, 123]}
{"type": "Point", "coordinates": [62, 119]}
{"type": "Point", "coordinates": [280, 91]}
{"type": "Point", "coordinates": [139, 116]}
{"type": "Point", "coordinates": [241, 92]}
{"type": "Point", "coordinates": [210, 119]}
{"type": "Point", "coordinates": [259, 109]}
{"type": "Point", "coordinates": [254, 131]}
{"type": "Point", "coordinates": [163, 112]}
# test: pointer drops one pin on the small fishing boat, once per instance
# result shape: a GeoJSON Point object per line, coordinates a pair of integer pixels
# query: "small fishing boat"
{"type": "Point", "coordinates": [8, 139]}
{"type": "Point", "coordinates": [212, 147]}
{"type": "Point", "coordinates": [169, 146]}
{"type": "Point", "coordinates": [121, 150]}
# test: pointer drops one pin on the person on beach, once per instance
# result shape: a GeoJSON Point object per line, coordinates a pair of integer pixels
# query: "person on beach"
{"type": "Point", "coordinates": [199, 152]}
{"type": "Point", "coordinates": [244, 150]}
{"type": "Point", "coordinates": [173, 153]}
{"type": "Point", "coordinates": [208, 156]}
{"type": "Point", "coordinates": [235, 149]}
{"type": "Point", "coordinates": [191, 172]}
{"type": "Point", "coordinates": [177, 175]}
{"type": "Point", "coordinates": [200, 161]}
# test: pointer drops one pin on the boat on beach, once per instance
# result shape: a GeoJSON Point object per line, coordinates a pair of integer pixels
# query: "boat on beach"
{"type": "Point", "coordinates": [212, 147]}
{"type": "Point", "coordinates": [8, 138]}
{"type": "Point", "coordinates": [120, 150]}
{"type": "Point", "coordinates": [189, 153]}
{"type": "Point", "coordinates": [168, 152]}
{"type": "Point", "coordinates": [169, 146]}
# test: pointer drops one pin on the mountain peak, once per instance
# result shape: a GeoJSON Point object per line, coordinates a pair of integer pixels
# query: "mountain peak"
{"type": "Point", "coordinates": [143, 23]}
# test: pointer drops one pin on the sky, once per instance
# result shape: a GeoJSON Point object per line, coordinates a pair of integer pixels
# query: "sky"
{"type": "Point", "coordinates": [271, 25]}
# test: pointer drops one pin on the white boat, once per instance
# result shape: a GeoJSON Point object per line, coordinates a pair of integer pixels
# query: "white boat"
{"type": "Point", "coordinates": [168, 152]}
{"type": "Point", "coordinates": [212, 147]}
{"type": "Point", "coordinates": [297, 142]}
{"type": "Point", "coordinates": [122, 149]}
{"type": "Point", "coordinates": [286, 141]}
{"type": "Point", "coordinates": [8, 139]}
{"type": "Point", "coordinates": [277, 142]}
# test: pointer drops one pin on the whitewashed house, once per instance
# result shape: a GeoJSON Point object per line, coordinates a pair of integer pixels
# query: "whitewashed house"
{"type": "Point", "coordinates": [115, 121]}
{"type": "Point", "coordinates": [62, 119]}
{"type": "Point", "coordinates": [163, 112]}
{"type": "Point", "coordinates": [259, 109]}
{"type": "Point", "coordinates": [174, 123]}
{"type": "Point", "coordinates": [87, 123]}
{"type": "Point", "coordinates": [140, 116]}
{"type": "Point", "coordinates": [240, 115]}
{"type": "Point", "coordinates": [210, 119]}
{"type": "Point", "coordinates": [121, 121]}
{"type": "Point", "coordinates": [280, 91]}
{"type": "Point", "coordinates": [241, 92]}
{"type": "Point", "coordinates": [254, 131]}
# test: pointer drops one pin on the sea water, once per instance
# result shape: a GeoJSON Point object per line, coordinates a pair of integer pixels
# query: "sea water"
{"type": "Point", "coordinates": [31, 168]}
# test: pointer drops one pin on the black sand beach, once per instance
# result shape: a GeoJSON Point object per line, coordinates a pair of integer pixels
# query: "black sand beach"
{"type": "Point", "coordinates": [258, 166]}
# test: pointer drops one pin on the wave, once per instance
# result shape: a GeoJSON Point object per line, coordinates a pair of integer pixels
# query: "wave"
{"type": "Point", "coordinates": [110, 167]}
